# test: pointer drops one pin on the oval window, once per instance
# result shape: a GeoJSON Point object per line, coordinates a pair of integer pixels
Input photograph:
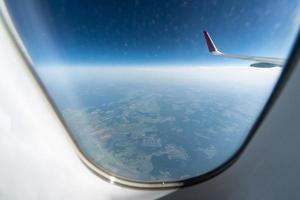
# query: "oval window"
{"type": "Point", "coordinates": [148, 98]}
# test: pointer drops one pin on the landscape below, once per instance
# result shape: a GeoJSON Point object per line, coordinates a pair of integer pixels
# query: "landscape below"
{"type": "Point", "coordinates": [159, 124]}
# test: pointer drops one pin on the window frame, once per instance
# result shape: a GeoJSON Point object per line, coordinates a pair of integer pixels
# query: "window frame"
{"type": "Point", "coordinates": [115, 179]}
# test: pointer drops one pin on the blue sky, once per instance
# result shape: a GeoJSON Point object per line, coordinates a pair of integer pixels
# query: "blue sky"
{"type": "Point", "coordinates": [153, 32]}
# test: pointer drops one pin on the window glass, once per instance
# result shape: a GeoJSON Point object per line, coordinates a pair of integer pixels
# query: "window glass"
{"type": "Point", "coordinates": [145, 94]}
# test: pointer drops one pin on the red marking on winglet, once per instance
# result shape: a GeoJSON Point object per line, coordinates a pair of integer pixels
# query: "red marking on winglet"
{"type": "Point", "coordinates": [210, 44]}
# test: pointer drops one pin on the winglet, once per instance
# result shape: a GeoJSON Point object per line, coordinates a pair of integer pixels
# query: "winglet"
{"type": "Point", "coordinates": [210, 44]}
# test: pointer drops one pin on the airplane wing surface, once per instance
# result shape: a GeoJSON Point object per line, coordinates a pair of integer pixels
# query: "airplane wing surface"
{"type": "Point", "coordinates": [261, 62]}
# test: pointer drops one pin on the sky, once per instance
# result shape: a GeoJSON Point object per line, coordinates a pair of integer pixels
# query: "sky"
{"type": "Point", "coordinates": [153, 32]}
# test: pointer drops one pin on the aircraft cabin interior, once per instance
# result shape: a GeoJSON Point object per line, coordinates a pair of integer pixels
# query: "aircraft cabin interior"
{"type": "Point", "coordinates": [138, 99]}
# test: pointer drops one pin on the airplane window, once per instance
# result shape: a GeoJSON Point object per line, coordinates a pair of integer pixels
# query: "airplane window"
{"type": "Point", "coordinates": [158, 93]}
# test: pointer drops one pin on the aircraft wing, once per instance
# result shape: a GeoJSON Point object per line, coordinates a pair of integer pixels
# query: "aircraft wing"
{"type": "Point", "coordinates": [262, 62]}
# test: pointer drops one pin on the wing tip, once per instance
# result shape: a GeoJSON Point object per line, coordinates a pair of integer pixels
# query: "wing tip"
{"type": "Point", "coordinates": [210, 44]}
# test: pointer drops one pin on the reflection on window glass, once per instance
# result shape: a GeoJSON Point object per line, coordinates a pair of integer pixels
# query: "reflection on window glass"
{"type": "Point", "coordinates": [145, 94]}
